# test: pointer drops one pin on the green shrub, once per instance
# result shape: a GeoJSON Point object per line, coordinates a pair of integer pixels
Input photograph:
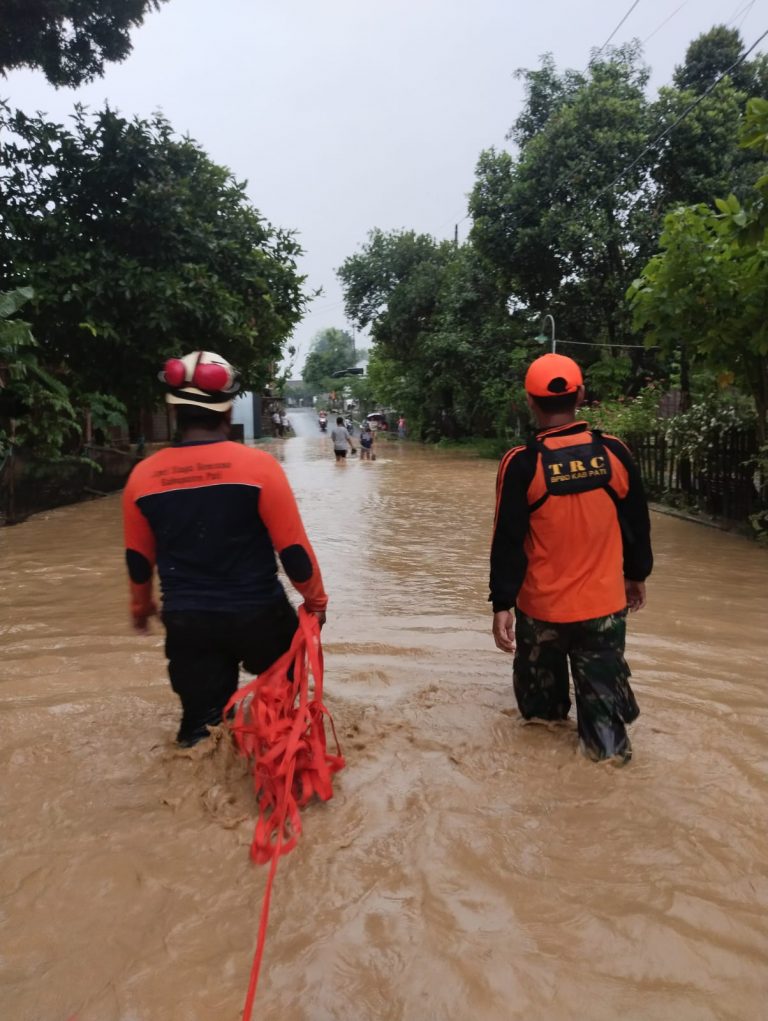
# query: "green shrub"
{"type": "Point", "coordinates": [626, 416]}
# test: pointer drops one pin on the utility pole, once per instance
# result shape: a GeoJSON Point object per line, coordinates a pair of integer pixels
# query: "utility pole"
{"type": "Point", "coordinates": [456, 236]}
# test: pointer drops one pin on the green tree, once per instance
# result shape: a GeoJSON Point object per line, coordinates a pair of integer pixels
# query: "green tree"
{"type": "Point", "coordinates": [562, 224]}
{"type": "Point", "coordinates": [701, 156]}
{"type": "Point", "coordinates": [398, 274]}
{"type": "Point", "coordinates": [69, 40]}
{"type": "Point", "coordinates": [474, 353]}
{"type": "Point", "coordinates": [393, 286]}
{"type": "Point", "coordinates": [707, 290]}
{"type": "Point", "coordinates": [713, 53]}
{"type": "Point", "coordinates": [553, 220]}
{"type": "Point", "coordinates": [444, 342]}
{"type": "Point", "coordinates": [138, 247]}
{"type": "Point", "coordinates": [546, 91]}
{"type": "Point", "coordinates": [331, 351]}
{"type": "Point", "coordinates": [35, 410]}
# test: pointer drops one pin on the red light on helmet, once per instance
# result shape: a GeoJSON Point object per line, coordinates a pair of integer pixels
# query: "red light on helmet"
{"type": "Point", "coordinates": [211, 376]}
{"type": "Point", "coordinates": [174, 372]}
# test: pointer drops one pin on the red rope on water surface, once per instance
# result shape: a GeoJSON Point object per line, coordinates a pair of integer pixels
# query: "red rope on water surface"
{"type": "Point", "coordinates": [282, 732]}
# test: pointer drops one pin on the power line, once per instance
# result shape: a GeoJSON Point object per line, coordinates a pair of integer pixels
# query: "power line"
{"type": "Point", "coordinates": [613, 33]}
{"type": "Point", "coordinates": [455, 220]}
{"type": "Point", "coordinates": [745, 15]}
{"type": "Point", "coordinates": [652, 145]}
{"type": "Point", "coordinates": [325, 308]}
{"type": "Point", "coordinates": [668, 130]}
{"type": "Point", "coordinates": [592, 60]}
{"type": "Point", "coordinates": [667, 19]}
{"type": "Point", "coordinates": [742, 12]}
{"type": "Point", "coordinates": [735, 14]}
{"type": "Point", "coordinates": [589, 343]}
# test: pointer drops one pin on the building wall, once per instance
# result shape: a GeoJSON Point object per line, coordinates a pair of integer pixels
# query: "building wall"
{"type": "Point", "coordinates": [246, 411]}
{"type": "Point", "coordinates": [242, 414]}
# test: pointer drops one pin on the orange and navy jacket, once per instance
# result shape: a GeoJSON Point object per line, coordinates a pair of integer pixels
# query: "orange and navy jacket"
{"type": "Point", "coordinates": [563, 558]}
{"type": "Point", "coordinates": [211, 516]}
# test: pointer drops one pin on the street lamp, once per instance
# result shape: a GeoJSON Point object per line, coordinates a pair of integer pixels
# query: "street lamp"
{"type": "Point", "coordinates": [542, 338]}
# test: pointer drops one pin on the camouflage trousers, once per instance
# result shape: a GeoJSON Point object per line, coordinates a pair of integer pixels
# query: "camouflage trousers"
{"type": "Point", "coordinates": [604, 700]}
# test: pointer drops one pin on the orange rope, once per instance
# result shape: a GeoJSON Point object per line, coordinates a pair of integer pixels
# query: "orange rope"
{"type": "Point", "coordinates": [282, 732]}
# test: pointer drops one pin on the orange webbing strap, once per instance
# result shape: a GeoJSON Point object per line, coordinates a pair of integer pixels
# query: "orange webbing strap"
{"type": "Point", "coordinates": [282, 732]}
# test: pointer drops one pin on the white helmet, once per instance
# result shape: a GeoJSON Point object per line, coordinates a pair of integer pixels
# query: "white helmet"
{"type": "Point", "coordinates": [202, 379]}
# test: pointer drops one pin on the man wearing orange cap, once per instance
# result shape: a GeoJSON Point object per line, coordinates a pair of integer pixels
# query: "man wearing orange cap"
{"type": "Point", "coordinates": [211, 514]}
{"type": "Point", "coordinates": [570, 554]}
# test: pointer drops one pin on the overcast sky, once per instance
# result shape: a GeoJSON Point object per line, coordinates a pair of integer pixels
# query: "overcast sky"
{"type": "Point", "coordinates": [345, 115]}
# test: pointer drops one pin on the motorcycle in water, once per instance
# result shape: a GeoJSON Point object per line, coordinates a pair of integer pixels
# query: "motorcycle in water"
{"type": "Point", "coordinates": [322, 421]}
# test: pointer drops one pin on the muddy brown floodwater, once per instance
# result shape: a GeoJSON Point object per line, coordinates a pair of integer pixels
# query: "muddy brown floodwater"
{"type": "Point", "coordinates": [469, 868]}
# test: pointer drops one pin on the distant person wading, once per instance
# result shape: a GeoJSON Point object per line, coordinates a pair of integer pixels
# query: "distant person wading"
{"type": "Point", "coordinates": [341, 440]}
{"type": "Point", "coordinates": [367, 440]}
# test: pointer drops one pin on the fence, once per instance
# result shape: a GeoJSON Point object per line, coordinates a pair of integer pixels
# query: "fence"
{"type": "Point", "coordinates": [27, 487]}
{"type": "Point", "coordinates": [721, 480]}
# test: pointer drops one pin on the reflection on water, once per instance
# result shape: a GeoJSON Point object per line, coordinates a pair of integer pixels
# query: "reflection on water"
{"type": "Point", "coordinates": [468, 868]}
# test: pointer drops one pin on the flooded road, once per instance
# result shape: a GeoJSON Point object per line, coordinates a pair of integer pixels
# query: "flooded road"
{"type": "Point", "coordinates": [469, 868]}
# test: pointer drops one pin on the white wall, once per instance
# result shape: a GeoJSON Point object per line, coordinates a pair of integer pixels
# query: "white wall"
{"type": "Point", "coordinates": [242, 413]}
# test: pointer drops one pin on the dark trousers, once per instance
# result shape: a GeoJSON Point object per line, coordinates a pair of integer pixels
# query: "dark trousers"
{"type": "Point", "coordinates": [605, 702]}
{"type": "Point", "coordinates": [205, 650]}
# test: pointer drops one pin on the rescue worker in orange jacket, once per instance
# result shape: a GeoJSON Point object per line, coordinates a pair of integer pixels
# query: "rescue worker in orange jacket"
{"type": "Point", "coordinates": [570, 554]}
{"type": "Point", "coordinates": [211, 514]}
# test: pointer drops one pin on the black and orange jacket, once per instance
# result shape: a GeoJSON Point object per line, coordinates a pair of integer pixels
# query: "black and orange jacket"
{"type": "Point", "coordinates": [211, 516]}
{"type": "Point", "coordinates": [563, 558]}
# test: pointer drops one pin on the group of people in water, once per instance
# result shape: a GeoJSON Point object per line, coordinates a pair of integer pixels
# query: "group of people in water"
{"type": "Point", "coordinates": [569, 556]}
{"type": "Point", "coordinates": [342, 437]}
{"type": "Point", "coordinates": [281, 424]}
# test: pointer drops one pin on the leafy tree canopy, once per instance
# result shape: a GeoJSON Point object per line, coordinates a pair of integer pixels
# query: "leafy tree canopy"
{"type": "Point", "coordinates": [707, 290]}
{"type": "Point", "coordinates": [387, 263]}
{"type": "Point", "coordinates": [442, 334]}
{"type": "Point", "coordinates": [563, 222]}
{"type": "Point", "coordinates": [551, 221]}
{"type": "Point", "coordinates": [701, 157]}
{"type": "Point", "coordinates": [138, 247]}
{"type": "Point", "coordinates": [545, 91]}
{"type": "Point", "coordinates": [331, 351]}
{"type": "Point", "coordinates": [35, 410]}
{"type": "Point", "coordinates": [711, 54]}
{"type": "Point", "coordinates": [69, 40]}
